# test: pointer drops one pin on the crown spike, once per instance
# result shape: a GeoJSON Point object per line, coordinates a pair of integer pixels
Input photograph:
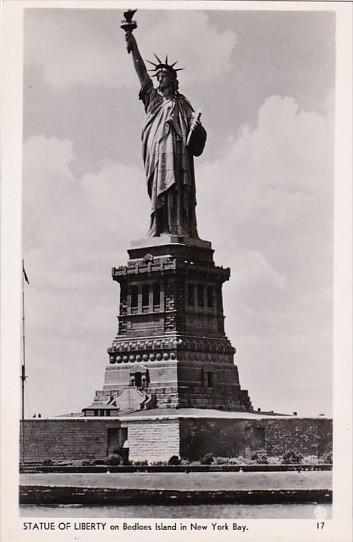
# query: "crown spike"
{"type": "Point", "coordinates": [172, 65]}
{"type": "Point", "coordinates": [153, 63]}
{"type": "Point", "coordinates": [158, 59]}
{"type": "Point", "coordinates": [166, 60]}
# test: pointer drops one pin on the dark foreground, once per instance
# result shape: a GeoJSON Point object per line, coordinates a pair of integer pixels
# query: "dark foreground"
{"type": "Point", "coordinates": [126, 497]}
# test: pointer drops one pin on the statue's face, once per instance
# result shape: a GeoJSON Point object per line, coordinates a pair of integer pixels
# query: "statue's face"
{"type": "Point", "coordinates": [165, 80]}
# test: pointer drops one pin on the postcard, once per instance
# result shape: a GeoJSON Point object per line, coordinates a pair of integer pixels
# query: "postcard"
{"type": "Point", "coordinates": [176, 258]}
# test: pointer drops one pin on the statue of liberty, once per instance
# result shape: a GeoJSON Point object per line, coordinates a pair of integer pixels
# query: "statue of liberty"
{"type": "Point", "coordinates": [171, 136]}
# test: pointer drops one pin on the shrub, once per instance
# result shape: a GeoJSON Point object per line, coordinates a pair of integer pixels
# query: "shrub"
{"type": "Point", "coordinates": [310, 459]}
{"type": "Point", "coordinates": [48, 462]}
{"type": "Point", "coordinates": [114, 459]}
{"type": "Point", "coordinates": [226, 460]}
{"type": "Point", "coordinates": [124, 455]}
{"type": "Point", "coordinates": [292, 457]}
{"type": "Point", "coordinates": [274, 460]}
{"type": "Point", "coordinates": [207, 459]}
{"type": "Point", "coordinates": [99, 462]}
{"type": "Point", "coordinates": [327, 457]}
{"type": "Point", "coordinates": [221, 460]}
{"type": "Point", "coordinates": [244, 460]}
{"type": "Point", "coordinates": [143, 463]}
{"type": "Point", "coordinates": [174, 460]}
{"type": "Point", "coordinates": [86, 463]}
{"type": "Point", "coordinates": [259, 458]}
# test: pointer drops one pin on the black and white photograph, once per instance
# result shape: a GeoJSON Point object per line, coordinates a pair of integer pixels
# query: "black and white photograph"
{"type": "Point", "coordinates": [178, 340]}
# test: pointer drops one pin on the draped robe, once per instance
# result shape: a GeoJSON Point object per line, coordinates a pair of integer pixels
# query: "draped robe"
{"type": "Point", "coordinates": [168, 161]}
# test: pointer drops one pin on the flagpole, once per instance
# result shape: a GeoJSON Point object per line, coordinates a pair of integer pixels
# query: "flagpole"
{"type": "Point", "coordinates": [23, 366]}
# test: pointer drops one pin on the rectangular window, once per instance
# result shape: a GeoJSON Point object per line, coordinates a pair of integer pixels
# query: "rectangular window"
{"type": "Point", "coordinates": [200, 295]}
{"type": "Point", "coordinates": [202, 377]}
{"type": "Point", "coordinates": [210, 380]}
{"type": "Point", "coordinates": [145, 295]}
{"type": "Point", "coordinates": [134, 297]}
{"type": "Point", "coordinates": [156, 294]}
{"type": "Point", "coordinates": [191, 294]}
{"type": "Point", "coordinates": [258, 438]}
{"type": "Point", "coordinates": [209, 297]}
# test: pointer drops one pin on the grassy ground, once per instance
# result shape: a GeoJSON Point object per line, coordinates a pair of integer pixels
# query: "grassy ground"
{"type": "Point", "coordinates": [186, 481]}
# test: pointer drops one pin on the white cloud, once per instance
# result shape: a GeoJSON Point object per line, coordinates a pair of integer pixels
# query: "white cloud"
{"type": "Point", "coordinates": [75, 47]}
{"type": "Point", "coordinates": [276, 176]}
{"type": "Point", "coordinates": [68, 212]}
{"type": "Point", "coordinates": [253, 269]}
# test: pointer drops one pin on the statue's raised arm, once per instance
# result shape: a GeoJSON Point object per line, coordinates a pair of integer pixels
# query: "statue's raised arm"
{"type": "Point", "coordinates": [139, 64]}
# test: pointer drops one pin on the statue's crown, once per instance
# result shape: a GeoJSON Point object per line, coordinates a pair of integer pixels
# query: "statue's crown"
{"type": "Point", "coordinates": [163, 66]}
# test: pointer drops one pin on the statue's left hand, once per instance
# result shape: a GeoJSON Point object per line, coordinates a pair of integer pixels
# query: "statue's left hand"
{"type": "Point", "coordinates": [198, 138]}
{"type": "Point", "coordinates": [195, 121]}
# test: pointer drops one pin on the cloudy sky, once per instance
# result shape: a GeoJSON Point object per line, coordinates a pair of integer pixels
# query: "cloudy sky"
{"type": "Point", "coordinates": [265, 84]}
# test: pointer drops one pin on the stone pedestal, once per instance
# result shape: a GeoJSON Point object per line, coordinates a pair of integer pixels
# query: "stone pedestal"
{"type": "Point", "coordinates": [170, 342]}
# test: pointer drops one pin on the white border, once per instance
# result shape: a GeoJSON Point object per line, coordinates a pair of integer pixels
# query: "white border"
{"type": "Point", "coordinates": [339, 528]}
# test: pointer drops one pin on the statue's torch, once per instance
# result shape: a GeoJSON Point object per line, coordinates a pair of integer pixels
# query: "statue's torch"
{"type": "Point", "coordinates": [128, 24]}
